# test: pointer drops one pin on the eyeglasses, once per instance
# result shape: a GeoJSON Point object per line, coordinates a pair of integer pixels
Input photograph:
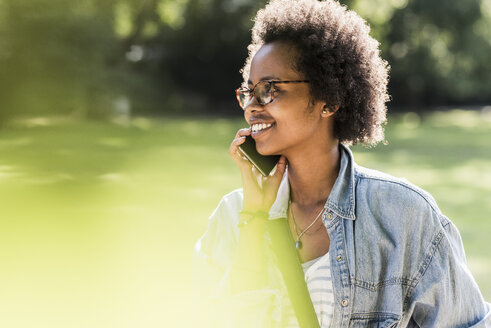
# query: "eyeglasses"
{"type": "Point", "coordinates": [263, 91]}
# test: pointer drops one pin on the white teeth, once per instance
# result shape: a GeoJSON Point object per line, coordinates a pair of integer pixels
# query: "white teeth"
{"type": "Point", "coordinates": [259, 127]}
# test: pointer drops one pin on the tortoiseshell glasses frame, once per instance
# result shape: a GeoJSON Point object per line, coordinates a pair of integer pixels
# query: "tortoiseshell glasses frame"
{"type": "Point", "coordinates": [263, 91]}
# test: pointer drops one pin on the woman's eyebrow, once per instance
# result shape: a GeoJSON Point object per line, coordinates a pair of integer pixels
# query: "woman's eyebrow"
{"type": "Point", "coordinates": [265, 78]}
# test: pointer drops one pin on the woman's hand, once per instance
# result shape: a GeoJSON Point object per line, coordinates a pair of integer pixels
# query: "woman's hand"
{"type": "Point", "coordinates": [259, 191]}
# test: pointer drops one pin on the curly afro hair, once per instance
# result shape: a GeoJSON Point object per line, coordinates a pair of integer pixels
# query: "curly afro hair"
{"type": "Point", "coordinates": [339, 57]}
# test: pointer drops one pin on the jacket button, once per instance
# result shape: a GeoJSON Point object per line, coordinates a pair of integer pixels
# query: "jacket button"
{"type": "Point", "coordinates": [339, 258]}
{"type": "Point", "coordinates": [344, 302]}
{"type": "Point", "coordinates": [328, 216]}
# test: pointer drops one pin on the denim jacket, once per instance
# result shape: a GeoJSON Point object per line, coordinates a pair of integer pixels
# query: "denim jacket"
{"type": "Point", "coordinates": [396, 260]}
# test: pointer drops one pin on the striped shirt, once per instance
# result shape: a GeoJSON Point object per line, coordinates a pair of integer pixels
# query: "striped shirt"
{"type": "Point", "coordinates": [319, 282]}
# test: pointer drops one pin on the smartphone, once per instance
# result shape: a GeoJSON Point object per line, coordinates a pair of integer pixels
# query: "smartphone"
{"type": "Point", "coordinates": [264, 164]}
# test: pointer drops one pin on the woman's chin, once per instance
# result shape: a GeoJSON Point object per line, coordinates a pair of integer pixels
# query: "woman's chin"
{"type": "Point", "coordinates": [265, 151]}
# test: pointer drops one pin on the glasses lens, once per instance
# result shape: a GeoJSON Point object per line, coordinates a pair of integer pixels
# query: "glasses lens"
{"type": "Point", "coordinates": [243, 96]}
{"type": "Point", "coordinates": [263, 93]}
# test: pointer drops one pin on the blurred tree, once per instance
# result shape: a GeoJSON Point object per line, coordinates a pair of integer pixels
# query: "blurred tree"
{"type": "Point", "coordinates": [195, 48]}
{"type": "Point", "coordinates": [54, 56]}
{"type": "Point", "coordinates": [205, 51]}
{"type": "Point", "coordinates": [180, 56]}
{"type": "Point", "coordinates": [439, 51]}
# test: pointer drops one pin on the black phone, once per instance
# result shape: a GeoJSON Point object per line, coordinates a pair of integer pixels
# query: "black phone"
{"type": "Point", "coordinates": [264, 164]}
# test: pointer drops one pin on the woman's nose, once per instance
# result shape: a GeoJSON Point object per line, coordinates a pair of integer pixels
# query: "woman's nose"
{"type": "Point", "coordinates": [253, 106]}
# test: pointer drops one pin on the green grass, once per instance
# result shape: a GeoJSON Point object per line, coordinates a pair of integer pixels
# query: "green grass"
{"type": "Point", "coordinates": [98, 220]}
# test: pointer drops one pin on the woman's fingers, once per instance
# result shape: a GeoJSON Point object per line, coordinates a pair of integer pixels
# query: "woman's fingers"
{"type": "Point", "coordinates": [273, 181]}
{"type": "Point", "coordinates": [234, 151]}
{"type": "Point", "coordinates": [239, 139]}
{"type": "Point", "coordinates": [275, 177]}
{"type": "Point", "coordinates": [280, 168]}
{"type": "Point", "coordinates": [243, 132]}
{"type": "Point", "coordinates": [260, 191]}
{"type": "Point", "coordinates": [257, 176]}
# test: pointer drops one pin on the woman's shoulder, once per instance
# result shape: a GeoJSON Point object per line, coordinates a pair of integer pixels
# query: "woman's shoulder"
{"type": "Point", "coordinates": [219, 240]}
{"type": "Point", "coordinates": [228, 208]}
{"type": "Point", "coordinates": [393, 198]}
{"type": "Point", "coordinates": [233, 199]}
{"type": "Point", "coordinates": [398, 214]}
{"type": "Point", "coordinates": [226, 214]}
{"type": "Point", "coordinates": [394, 190]}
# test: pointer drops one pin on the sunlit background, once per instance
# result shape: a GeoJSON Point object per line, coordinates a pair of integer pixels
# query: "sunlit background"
{"type": "Point", "coordinates": [116, 117]}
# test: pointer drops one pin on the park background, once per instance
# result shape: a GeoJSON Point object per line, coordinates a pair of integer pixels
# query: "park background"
{"type": "Point", "coordinates": [116, 117]}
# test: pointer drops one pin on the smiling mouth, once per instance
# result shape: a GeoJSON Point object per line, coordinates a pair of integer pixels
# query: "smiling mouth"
{"type": "Point", "coordinates": [256, 128]}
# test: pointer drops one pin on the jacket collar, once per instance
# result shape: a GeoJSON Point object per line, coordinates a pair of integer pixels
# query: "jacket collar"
{"type": "Point", "coordinates": [341, 201]}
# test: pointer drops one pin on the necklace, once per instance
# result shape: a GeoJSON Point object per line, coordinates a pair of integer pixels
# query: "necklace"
{"type": "Point", "coordinates": [298, 242]}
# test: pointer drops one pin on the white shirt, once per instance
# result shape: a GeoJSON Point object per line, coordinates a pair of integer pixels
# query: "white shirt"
{"type": "Point", "coordinates": [319, 282]}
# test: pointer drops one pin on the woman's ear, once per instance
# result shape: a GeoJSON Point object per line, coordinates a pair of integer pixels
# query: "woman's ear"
{"type": "Point", "coordinates": [329, 110]}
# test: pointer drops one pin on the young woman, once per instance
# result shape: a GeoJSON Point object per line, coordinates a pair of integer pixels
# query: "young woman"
{"type": "Point", "coordinates": [376, 250]}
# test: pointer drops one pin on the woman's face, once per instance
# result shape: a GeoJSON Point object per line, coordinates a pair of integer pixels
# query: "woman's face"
{"type": "Point", "coordinates": [295, 121]}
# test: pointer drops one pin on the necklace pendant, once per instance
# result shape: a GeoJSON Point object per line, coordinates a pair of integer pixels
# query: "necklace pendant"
{"type": "Point", "coordinates": [298, 244]}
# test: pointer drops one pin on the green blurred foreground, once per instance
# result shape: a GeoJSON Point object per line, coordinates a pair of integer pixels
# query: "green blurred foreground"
{"type": "Point", "coordinates": [98, 220]}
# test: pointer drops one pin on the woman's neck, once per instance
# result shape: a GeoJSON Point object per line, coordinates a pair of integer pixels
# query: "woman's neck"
{"type": "Point", "coordinates": [312, 175]}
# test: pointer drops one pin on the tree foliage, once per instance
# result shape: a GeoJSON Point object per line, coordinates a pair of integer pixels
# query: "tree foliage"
{"type": "Point", "coordinates": [54, 54]}
{"type": "Point", "coordinates": [185, 55]}
{"type": "Point", "coordinates": [440, 53]}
